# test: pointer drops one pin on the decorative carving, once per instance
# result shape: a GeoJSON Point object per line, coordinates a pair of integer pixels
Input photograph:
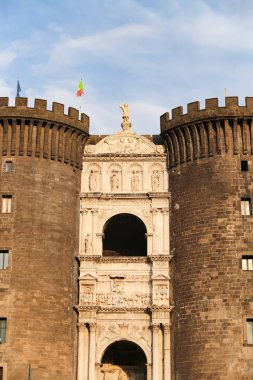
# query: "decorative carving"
{"type": "Point", "coordinates": [93, 180]}
{"type": "Point", "coordinates": [155, 327]}
{"type": "Point", "coordinates": [114, 372]}
{"type": "Point", "coordinates": [135, 181]}
{"type": "Point", "coordinates": [117, 285]}
{"type": "Point", "coordinates": [161, 295]}
{"type": "Point", "coordinates": [115, 180]}
{"type": "Point", "coordinates": [88, 244]}
{"type": "Point", "coordinates": [118, 331]}
{"type": "Point", "coordinates": [155, 180]}
{"type": "Point", "coordinates": [125, 142]}
{"type": "Point", "coordinates": [115, 299]}
{"type": "Point", "coordinates": [161, 315]}
{"type": "Point", "coordinates": [87, 296]}
{"type": "Point", "coordinates": [126, 125]}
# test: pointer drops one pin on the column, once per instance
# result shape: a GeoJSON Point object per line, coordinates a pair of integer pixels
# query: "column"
{"type": "Point", "coordinates": [99, 244]}
{"type": "Point", "coordinates": [86, 353]}
{"type": "Point", "coordinates": [92, 351]}
{"type": "Point", "coordinates": [94, 228]}
{"type": "Point", "coordinates": [166, 242]}
{"type": "Point", "coordinates": [166, 354]}
{"type": "Point", "coordinates": [149, 244]}
{"type": "Point", "coordinates": [83, 223]}
{"type": "Point", "coordinates": [155, 227]}
{"type": "Point", "coordinates": [81, 351]}
{"type": "Point", "coordinates": [155, 351]}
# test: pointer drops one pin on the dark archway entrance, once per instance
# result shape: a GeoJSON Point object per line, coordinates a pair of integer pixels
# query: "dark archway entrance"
{"type": "Point", "coordinates": [125, 235]}
{"type": "Point", "coordinates": [124, 360]}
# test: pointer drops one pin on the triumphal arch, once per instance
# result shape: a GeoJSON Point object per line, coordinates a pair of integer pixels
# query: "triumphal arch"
{"type": "Point", "coordinates": [124, 284]}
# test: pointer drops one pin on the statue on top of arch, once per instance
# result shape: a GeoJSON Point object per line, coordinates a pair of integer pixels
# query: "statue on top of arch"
{"type": "Point", "coordinates": [126, 125]}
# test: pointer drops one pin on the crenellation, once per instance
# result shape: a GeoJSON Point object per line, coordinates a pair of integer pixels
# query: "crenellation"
{"type": "Point", "coordinates": [232, 109]}
{"type": "Point", "coordinates": [40, 104]}
{"type": "Point", "coordinates": [21, 102]}
{"type": "Point", "coordinates": [73, 112]}
{"type": "Point", "coordinates": [4, 102]}
{"type": "Point", "coordinates": [176, 112]}
{"type": "Point", "coordinates": [211, 104]}
{"type": "Point", "coordinates": [231, 101]}
{"type": "Point", "coordinates": [58, 108]}
{"type": "Point", "coordinates": [193, 107]}
{"type": "Point", "coordinates": [37, 132]}
{"type": "Point", "coordinates": [40, 112]}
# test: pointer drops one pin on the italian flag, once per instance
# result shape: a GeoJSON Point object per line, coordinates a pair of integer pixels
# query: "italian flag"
{"type": "Point", "coordinates": [80, 89]}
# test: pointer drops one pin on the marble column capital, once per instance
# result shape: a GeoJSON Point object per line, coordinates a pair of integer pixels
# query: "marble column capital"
{"type": "Point", "coordinates": [155, 327]}
{"type": "Point", "coordinates": [92, 326]}
{"type": "Point", "coordinates": [166, 327]}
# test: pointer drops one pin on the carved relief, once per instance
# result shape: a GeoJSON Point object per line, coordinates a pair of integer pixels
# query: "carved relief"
{"type": "Point", "coordinates": [125, 142]}
{"type": "Point", "coordinates": [88, 244]}
{"type": "Point", "coordinates": [116, 298]}
{"type": "Point", "coordinates": [161, 295]}
{"type": "Point", "coordinates": [115, 180]}
{"type": "Point", "coordinates": [135, 181]}
{"type": "Point", "coordinates": [94, 178]}
{"type": "Point", "coordinates": [135, 333]}
{"type": "Point", "coordinates": [87, 296]}
{"type": "Point", "coordinates": [114, 372]}
{"type": "Point", "coordinates": [117, 285]}
{"type": "Point", "coordinates": [156, 180]}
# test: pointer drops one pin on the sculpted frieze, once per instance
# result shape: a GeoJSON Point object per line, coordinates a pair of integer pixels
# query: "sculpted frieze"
{"type": "Point", "coordinates": [125, 142]}
{"type": "Point", "coordinates": [114, 299]}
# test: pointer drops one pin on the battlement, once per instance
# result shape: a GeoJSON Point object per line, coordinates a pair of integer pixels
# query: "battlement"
{"type": "Point", "coordinates": [39, 132]}
{"type": "Point", "coordinates": [211, 110]}
{"type": "Point", "coordinates": [214, 130]}
{"type": "Point", "coordinates": [40, 111]}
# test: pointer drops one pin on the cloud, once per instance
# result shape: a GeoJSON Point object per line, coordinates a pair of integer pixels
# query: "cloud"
{"type": "Point", "coordinates": [7, 56]}
{"type": "Point", "coordinates": [5, 88]}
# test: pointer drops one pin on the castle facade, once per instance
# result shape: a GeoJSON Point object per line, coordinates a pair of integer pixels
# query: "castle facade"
{"type": "Point", "coordinates": [126, 257]}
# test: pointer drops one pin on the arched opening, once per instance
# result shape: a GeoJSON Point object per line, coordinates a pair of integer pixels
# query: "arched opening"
{"type": "Point", "coordinates": [124, 235]}
{"type": "Point", "coordinates": [124, 360]}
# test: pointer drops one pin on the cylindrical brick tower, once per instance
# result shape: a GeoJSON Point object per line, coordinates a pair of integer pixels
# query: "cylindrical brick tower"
{"type": "Point", "coordinates": [210, 179]}
{"type": "Point", "coordinates": [41, 157]}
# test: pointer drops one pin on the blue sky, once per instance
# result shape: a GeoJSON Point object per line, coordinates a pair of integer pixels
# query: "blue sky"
{"type": "Point", "coordinates": [153, 54]}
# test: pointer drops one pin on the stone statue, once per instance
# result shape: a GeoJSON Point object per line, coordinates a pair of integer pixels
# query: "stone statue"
{"type": "Point", "coordinates": [93, 180]}
{"type": "Point", "coordinates": [126, 125]}
{"type": "Point", "coordinates": [155, 180]}
{"type": "Point", "coordinates": [115, 180]}
{"type": "Point", "coordinates": [135, 181]}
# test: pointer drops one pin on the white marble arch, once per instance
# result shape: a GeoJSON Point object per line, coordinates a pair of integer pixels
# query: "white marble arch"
{"type": "Point", "coordinates": [101, 351]}
{"type": "Point", "coordinates": [109, 215]}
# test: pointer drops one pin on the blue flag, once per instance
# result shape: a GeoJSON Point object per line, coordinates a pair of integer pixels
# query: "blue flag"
{"type": "Point", "coordinates": [18, 89]}
{"type": "Point", "coordinates": [30, 372]}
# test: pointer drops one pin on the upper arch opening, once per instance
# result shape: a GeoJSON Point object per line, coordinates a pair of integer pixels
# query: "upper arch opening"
{"type": "Point", "coordinates": [125, 235]}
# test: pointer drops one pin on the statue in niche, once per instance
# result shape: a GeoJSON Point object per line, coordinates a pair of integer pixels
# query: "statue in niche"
{"type": "Point", "coordinates": [135, 181]}
{"type": "Point", "coordinates": [88, 244]}
{"type": "Point", "coordinates": [93, 180]}
{"type": "Point", "coordinates": [115, 180]}
{"type": "Point", "coordinates": [155, 180]}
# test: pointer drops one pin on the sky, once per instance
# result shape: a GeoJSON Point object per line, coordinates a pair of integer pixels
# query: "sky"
{"type": "Point", "coordinates": [154, 55]}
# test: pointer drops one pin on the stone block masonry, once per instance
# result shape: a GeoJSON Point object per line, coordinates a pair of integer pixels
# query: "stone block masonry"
{"type": "Point", "coordinates": [38, 289]}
